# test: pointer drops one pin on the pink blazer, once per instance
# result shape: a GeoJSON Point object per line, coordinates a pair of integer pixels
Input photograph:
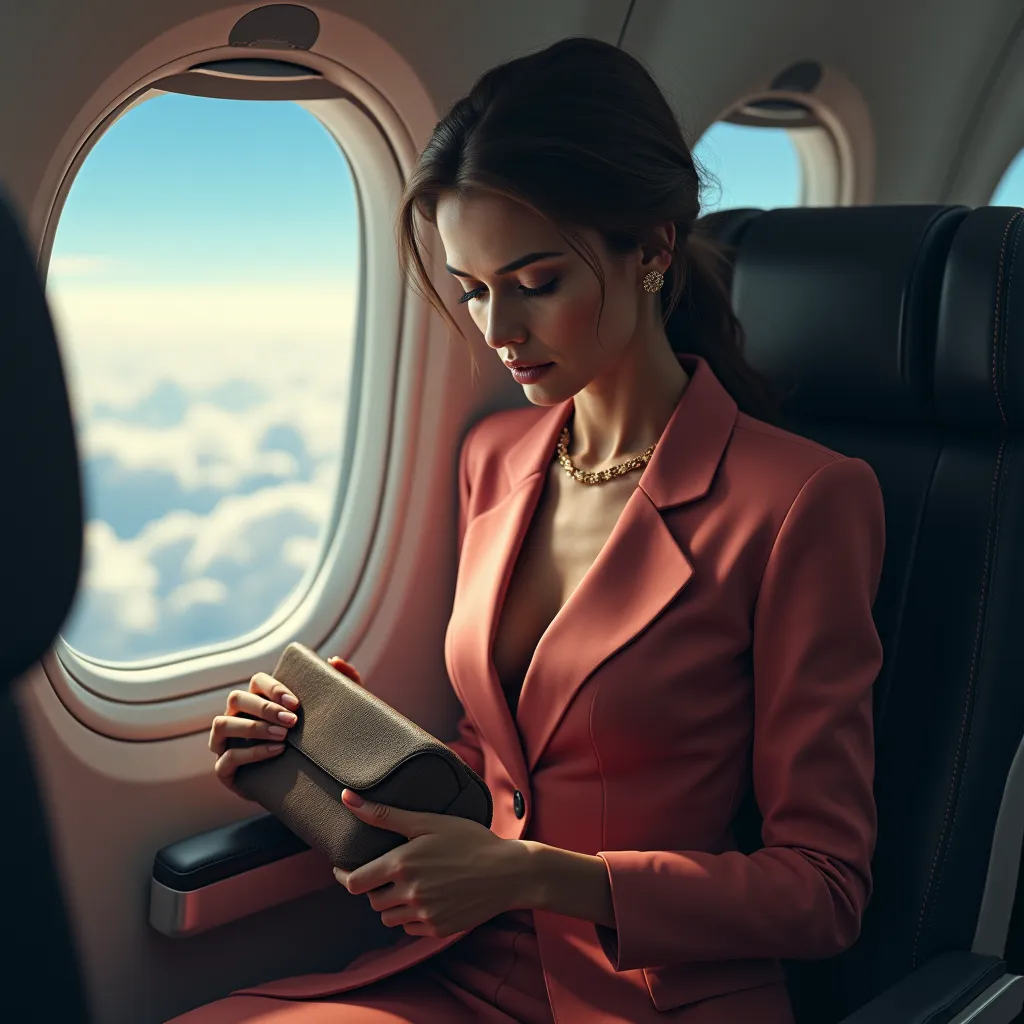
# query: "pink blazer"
{"type": "Point", "coordinates": [723, 634]}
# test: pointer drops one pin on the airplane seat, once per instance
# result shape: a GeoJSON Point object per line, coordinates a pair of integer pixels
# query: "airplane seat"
{"type": "Point", "coordinates": [40, 551]}
{"type": "Point", "coordinates": [893, 334]}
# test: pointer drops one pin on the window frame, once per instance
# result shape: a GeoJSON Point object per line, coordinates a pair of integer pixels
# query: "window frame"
{"type": "Point", "coordinates": [174, 694]}
{"type": "Point", "coordinates": [834, 140]}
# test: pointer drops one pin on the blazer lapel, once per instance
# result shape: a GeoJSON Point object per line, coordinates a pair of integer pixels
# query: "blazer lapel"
{"type": "Point", "coordinates": [490, 550]}
{"type": "Point", "coordinates": [640, 570]}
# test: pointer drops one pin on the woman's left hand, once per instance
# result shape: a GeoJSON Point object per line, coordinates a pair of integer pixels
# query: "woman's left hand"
{"type": "Point", "coordinates": [452, 875]}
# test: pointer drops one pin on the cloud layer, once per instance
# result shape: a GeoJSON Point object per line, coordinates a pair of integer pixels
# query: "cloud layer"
{"type": "Point", "coordinates": [207, 494]}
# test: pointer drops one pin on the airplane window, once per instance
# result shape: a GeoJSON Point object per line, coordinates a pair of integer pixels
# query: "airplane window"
{"type": "Point", "coordinates": [203, 278]}
{"type": "Point", "coordinates": [753, 166]}
{"type": "Point", "coordinates": [1010, 190]}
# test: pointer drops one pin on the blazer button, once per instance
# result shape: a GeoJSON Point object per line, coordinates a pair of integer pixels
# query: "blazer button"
{"type": "Point", "coordinates": [518, 804]}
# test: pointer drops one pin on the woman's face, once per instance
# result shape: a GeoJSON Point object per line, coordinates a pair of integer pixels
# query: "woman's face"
{"type": "Point", "coordinates": [534, 299]}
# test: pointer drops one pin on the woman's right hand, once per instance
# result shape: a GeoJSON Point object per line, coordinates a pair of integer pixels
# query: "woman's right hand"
{"type": "Point", "coordinates": [262, 714]}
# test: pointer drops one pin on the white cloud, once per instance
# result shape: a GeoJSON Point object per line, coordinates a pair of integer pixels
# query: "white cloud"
{"type": "Point", "coordinates": [300, 551]}
{"type": "Point", "coordinates": [200, 320]}
{"type": "Point", "coordinates": [227, 531]}
{"type": "Point", "coordinates": [123, 572]}
{"type": "Point", "coordinates": [201, 591]}
{"type": "Point", "coordinates": [113, 565]}
{"type": "Point", "coordinates": [142, 596]}
{"type": "Point", "coordinates": [174, 578]}
{"type": "Point", "coordinates": [210, 448]}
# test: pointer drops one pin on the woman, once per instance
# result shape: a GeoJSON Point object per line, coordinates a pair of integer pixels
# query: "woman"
{"type": "Point", "coordinates": [663, 604]}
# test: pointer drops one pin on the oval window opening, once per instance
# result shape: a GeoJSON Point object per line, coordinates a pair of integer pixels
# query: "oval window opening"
{"type": "Point", "coordinates": [204, 278]}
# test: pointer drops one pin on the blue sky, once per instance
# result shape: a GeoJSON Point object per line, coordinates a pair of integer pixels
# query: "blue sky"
{"type": "Point", "coordinates": [181, 188]}
{"type": "Point", "coordinates": [1010, 190]}
{"type": "Point", "coordinates": [203, 280]}
{"type": "Point", "coordinates": [748, 167]}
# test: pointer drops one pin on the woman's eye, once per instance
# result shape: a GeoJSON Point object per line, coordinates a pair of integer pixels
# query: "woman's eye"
{"type": "Point", "coordinates": [544, 289]}
{"type": "Point", "coordinates": [530, 293]}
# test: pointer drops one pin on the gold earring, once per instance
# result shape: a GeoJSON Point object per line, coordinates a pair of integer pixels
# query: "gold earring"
{"type": "Point", "coordinates": [653, 281]}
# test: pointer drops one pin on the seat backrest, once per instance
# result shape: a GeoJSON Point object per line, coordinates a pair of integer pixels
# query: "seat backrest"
{"type": "Point", "coordinates": [881, 328]}
{"type": "Point", "coordinates": [40, 551]}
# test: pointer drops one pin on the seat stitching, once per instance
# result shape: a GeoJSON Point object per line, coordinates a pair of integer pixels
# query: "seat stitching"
{"type": "Point", "coordinates": [904, 597]}
{"type": "Point", "coordinates": [959, 765]}
{"type": "Point", "coordinates": [941, 848]}
{"type": "Point", "coordinates": [967, 749]}
{"type": "Point", "coordinates": [1014, 220]}
{"type": "Point", "coordinates": [996, 320]}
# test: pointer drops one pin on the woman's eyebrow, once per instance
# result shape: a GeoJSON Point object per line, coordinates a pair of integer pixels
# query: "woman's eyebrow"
{"type": "Point", "coordinates": [523, 261]}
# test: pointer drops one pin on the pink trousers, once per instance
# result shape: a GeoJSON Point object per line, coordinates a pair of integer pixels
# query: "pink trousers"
{"type": "Point", "coordinates": [492, 976]}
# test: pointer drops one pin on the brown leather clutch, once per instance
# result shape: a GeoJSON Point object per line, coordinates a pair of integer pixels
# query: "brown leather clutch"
{"type": "Point", "coordinates": [346, 737]}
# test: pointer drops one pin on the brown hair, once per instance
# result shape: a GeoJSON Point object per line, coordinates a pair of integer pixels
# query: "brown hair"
{"type": "Point", "coordinates": [581, 134]}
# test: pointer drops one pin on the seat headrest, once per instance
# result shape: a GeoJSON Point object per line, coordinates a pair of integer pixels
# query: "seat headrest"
{"type": "Point", "coordinates": [727, 226]}
{"type": "Point", "coordinates": [839, 306]}
{"type": "Point", "coordinates": [41, 510]}
{"type": "Point", "coordinates": [979, 349]}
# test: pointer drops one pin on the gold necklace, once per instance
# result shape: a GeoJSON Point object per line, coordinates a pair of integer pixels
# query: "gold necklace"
{"type": "Point", "coordinates": [603, 475]}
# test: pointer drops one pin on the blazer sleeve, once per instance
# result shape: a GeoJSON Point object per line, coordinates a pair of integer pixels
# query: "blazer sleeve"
{"type": "Point", "coordinates": [467, 746]}
{"type": "Point", "coordinates": [816, 655]}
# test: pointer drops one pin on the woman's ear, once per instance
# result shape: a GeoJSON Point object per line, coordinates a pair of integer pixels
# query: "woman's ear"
{"type": "Point", "coordinates": [657, 254]}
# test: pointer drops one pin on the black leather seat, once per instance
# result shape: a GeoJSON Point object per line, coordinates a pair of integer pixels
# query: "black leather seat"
{"type": "Point", "coordinates": [895, 335]}
{"type": "Point", "coordinates": [40, 554]}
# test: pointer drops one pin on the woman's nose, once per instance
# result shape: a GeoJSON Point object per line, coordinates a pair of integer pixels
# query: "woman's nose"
{"type": "Point", "coordinates": [502, 327]}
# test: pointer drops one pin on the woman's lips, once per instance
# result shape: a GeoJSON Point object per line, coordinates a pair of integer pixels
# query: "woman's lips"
{"type": "Point", "coordinates": [530, 374]}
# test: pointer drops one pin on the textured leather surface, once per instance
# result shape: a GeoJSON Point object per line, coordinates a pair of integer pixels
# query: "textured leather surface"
{"type": "Point", "coordinates": [839, 306]}
{"type": "Point", "coordinates": [40, 551]}
{"type": "Point", "coordinates": [979, 367]}
{"type": "Point", "coordinates": [222, 852]}
{"type": "Point", "coordinates": [348, 737]}
{"type": "Point", "coordinates": [825, 297]}
{"type": "Point", "coordinates": [935, 993]}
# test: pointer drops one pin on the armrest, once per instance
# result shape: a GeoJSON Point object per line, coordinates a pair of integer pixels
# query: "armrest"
{"type": "Point", "coordinates": [945, 987]}
{"type": "Point", "coordinates": [231, 872]}
{"type": "Point", "coordinates": [222, 852]}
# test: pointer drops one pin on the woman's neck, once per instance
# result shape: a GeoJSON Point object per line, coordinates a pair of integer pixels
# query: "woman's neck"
{"type": "Point", "coordinates": [626, 410]}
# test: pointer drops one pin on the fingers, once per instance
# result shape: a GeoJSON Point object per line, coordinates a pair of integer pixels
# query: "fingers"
{"type": "Point", "coordinates": [250, 715]}
{"type": "Point", "coordinates": [242, 702]}
{"type": "Point", "coordinates": [229, 762]}
{"type": "Point", "coordinates": [269, 687]}
{"type": "Point", "coordinates": [386, 897]}
{"type": "Point", "coordinates": [227, 727]}
{"type": "Point", "coordinates": [342, 666]}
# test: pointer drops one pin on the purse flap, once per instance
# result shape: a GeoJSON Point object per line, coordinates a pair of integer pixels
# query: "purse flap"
{"type": "Point", "coordinates": [348, 732]}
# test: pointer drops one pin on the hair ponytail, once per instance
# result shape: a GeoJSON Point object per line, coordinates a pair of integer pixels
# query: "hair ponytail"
{"type": "Point", "coordinates": [701, 320]}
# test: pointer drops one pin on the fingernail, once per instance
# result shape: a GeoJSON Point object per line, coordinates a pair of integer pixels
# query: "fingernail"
{"type": "Point", "coordinates": [289, 701]}
{"type": "Point", "coordinates": [287, 717]}
{"type": "Point", "coordinates": [279, 731]}
{"type": "Point", "coordinates": [275, 748]}
{"type": "Point", "coordinates": [353, 798]}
